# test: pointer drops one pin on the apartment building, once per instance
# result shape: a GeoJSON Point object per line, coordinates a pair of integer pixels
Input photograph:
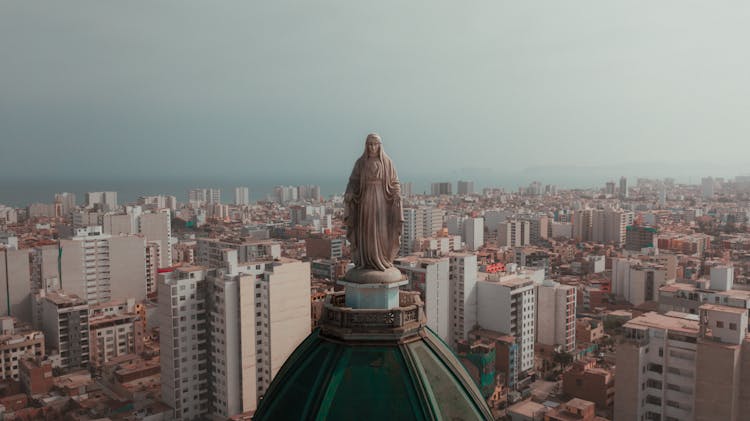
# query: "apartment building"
{"type": "Point", "coordinates": [17, 343]}
{"type": "Point", "coordinates": [556, 315]}
{"type": "Point", "coordinates": [183, 341]}
{"type": "Point", "coordinates": [65, 323]}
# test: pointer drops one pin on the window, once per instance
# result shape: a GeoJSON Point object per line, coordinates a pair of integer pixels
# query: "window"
{"type": "Point", "coordinates": [733, 326]}
{"type": "Point", "coordinates": [719, 324]}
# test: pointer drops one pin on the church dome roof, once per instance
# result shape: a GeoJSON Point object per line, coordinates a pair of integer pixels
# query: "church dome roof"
{"type": "Point", "coordinates": [373, 365]}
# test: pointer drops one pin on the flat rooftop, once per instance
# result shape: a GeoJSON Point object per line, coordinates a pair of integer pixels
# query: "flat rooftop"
{"type": "Point", "coordinates": [724, 309]}
{"type": "Point", "coordinates": [662, 321]}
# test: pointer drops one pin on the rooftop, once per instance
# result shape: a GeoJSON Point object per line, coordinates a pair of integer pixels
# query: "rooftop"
{"type": "Point", "coordinates": [724, 309]}
{"type": "Point", "coordinates": [675, 321]}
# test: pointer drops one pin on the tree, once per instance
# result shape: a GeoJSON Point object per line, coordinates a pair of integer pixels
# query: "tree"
{"type": "Point", "coordinates": [563, 359]}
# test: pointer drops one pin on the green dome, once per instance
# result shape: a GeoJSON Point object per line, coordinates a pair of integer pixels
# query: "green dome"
{"type": "Point", "coordinates": [373, 365]}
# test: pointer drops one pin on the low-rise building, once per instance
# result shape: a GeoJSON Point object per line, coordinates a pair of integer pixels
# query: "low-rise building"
{"type": "Point", "coordinates": [17, 343]}
{"type": "Point", "coordinates": [585, 380]}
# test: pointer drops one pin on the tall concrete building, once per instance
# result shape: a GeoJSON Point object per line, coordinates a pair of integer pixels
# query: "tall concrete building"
{"type": "Point", "coordinates": [184, 342]}
{"type": "Point", "coordinates": [65, 323]}
{"type": "Point", "coordinates": [241, 196]}
{"type": "Point", "coordinates": [442, 188]}
{"type": "Point", "coordinates": [707, 187]}
{"type": "Point", "coordinates": [15, 283]}
{"type": "Point", "coordinates": [583, 225]}
{"type": "Point", "coordinates": [494, 217]}
{"type": "Point", "coordinates": [637, 281]}
{"type": "Point", "coordinates": [210, 253]}
{"type": "Point", "coordinates": [609, 226]}
{"type": "Point", "coordinates": [285, 194]}
{"type": "Point", "coordinates": [556, 315]}
{"type": "Point", "coordinates": [155, 225]}
{"type": "Point", "coordinates": [514, 233]}
{"type": "Point", "coordinates": [609, 188]}
{"type": "Point", "coordinates": [430, 276]}
{"type": "Point", "coordinates": [679, 366]}
{"type": "Point", "coordinates": [419, 223]}
{"type": "Point", "coordinates": [465, 187]}
{"type": "Point", "coordinates": [462, 277]}
{"type": "Point", "coordinates": [99, 267]}
{"type": "Point", "coordinates": [474, 233]}
{"type": "Point", "coordinates": [623, 188]}
{"type": "Point", "coordinates": [259, 312]}
{"type": "Point", "coordinates": [538, 227]}
{"type": "Point", "coordinates": [103, 200]}
{"type": "Point", "coordinates": [158, 202]}
{"type": "Point", "coordinates": [508, 305]}
{"type": "Point", "coordinates": [157, 228]}
{"type": "Point", "coordinates": [407, 189]}
{"type": "Point", "coordinates": [68, 202]}
{"type": "Point", "coordinates": [203, 196]}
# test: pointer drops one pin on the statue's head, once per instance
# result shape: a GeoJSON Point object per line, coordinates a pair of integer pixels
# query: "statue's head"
{"type": "Point", "coordinates": [373, 145]}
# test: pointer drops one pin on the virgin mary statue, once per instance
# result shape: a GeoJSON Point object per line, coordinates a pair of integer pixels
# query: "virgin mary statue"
{"type": "Point", "coordinates": [373, 214]}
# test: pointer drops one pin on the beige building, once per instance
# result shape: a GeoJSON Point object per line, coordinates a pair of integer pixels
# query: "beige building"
{"type": "Point", "coordinates": [65, 323]}
{"type": "Point", "coordinates": [260, 312]}
{"type": "Point", "coordinates": [183, 341]}
{"type": "Point", "coordinates": [556, 315]}
{"type": "Point", "coordinates": [115, 329]}
{"type": "Point", "coordinates": [637, 281]}
{"type": "Point", "coordinates": [17, 343]}
{"type": "Point", "coordinates": [680, 366]}
{"type": "Point", "coordinates": [15, 283]}
{"type": "Point", "coordinates": [99, 267]}
{"type": "Point", "coordinates": [419, 223]}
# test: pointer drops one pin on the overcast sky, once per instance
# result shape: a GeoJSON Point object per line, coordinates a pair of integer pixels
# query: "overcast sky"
{"type": "Point", "coordinates": [174, 89]}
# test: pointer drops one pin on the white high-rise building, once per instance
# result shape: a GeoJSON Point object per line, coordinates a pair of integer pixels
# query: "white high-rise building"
{"type": "Point", "coordinates": [623, 187]}
{"type": "Point", "coordinates": [158, 202]}
{"type": "Point", "coordinates": [430, 276]}
{"type": "Point", "coordinates": [68, 201]}
{"type": "Point", "coordinates": [707, 187]}
{"type": "Point", "coordinates": [156, 226]}
{"type": "Point", "coordinates": [241, 196]}
{"type": "Point", "coordinates": [183, 341]}
{"type": "Point", "coordinates": [286, 194]}
{"type": "Point", "coordinates": [260, 312]}
{"type": "Point", "coordinates": [419, 223]}
{"type": "Point", "coordinates": [508, 305]}
{"type": "Point", "coordinates": [474, 233]}
{"type": "Point", "coordinates": [463, 289]}
{"type": "Point", "coordinates": [105, 200]}
{"type": "Point", "coordinates": [556, 315]}
{"type": "Point", "coordinates": [204, 196]}
{"type": "Point", "coordinates": [638, 281]}
{"type": "Point", "coordinates": [99, 267]}
{"type": "Point", "coordinates": [514, 233]}
{"type": "Point", "coordinates": [465, 187]}
{"type": "Point", "coordinates": [583, 225]}
{"type": "Point", "coordinates": [610, 226]}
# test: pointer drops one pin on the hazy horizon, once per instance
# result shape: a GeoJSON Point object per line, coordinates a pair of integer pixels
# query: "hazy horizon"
{"type": "Point", "coordinates": [289, 90]}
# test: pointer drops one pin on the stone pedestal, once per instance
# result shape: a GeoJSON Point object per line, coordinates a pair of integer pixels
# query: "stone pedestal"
{"type": "Point", "coordinates": [373, 289]}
